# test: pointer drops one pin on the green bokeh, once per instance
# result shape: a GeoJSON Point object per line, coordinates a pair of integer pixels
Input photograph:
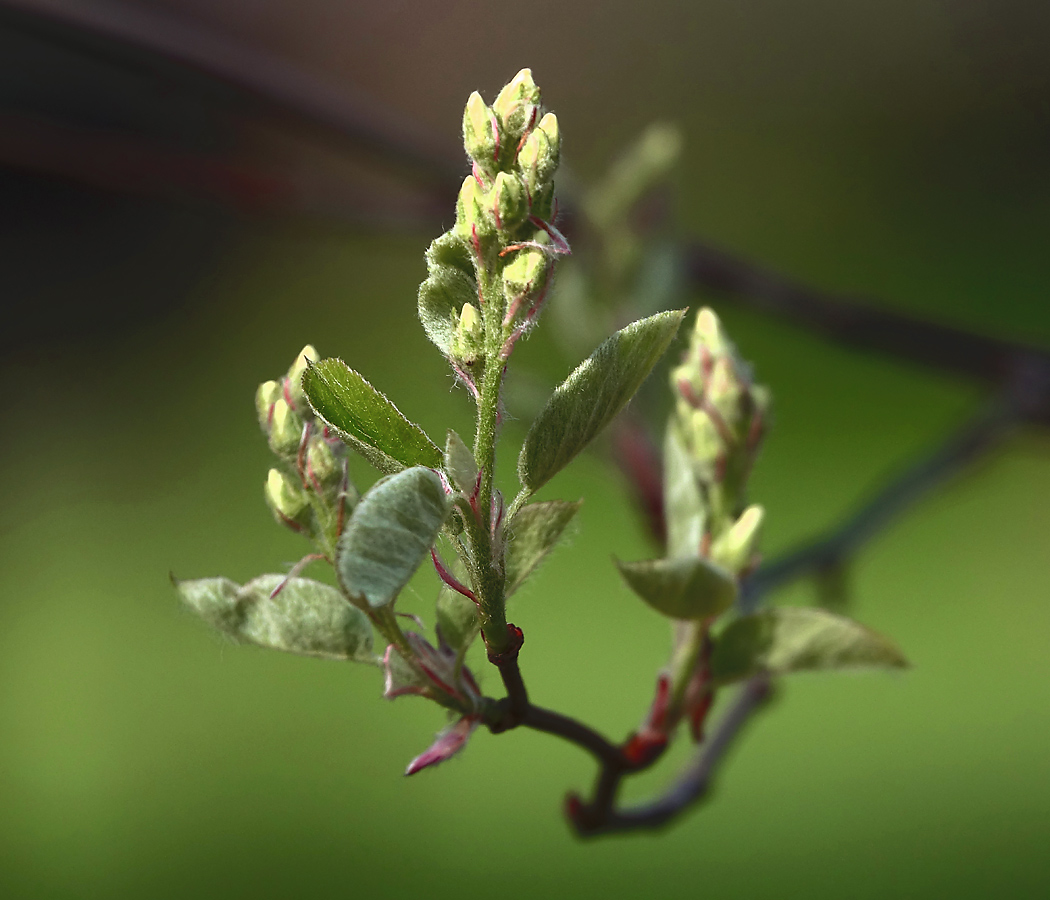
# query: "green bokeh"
{"type": "Point", "coordinates": [142, 757]}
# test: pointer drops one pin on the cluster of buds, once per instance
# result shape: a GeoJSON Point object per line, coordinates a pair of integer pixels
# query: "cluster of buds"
{"type": "Point", "coordinates": [514, 153]}
{"type": "Point", "coordinates": [489, 275]}
{"type": "Point", "coordinates": [720, 418]}
{"type": "Point", "coordinates": [712, 442]}
{"type": "Point", "coordinates": [308, 490]}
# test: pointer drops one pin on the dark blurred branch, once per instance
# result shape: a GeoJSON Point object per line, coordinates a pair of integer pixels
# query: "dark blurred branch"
{"type": "Point", "coordinates": [864, 326]}
{"type": "Point", "coordinates": [961, 449]}
{"type": "Point", "coordinates": [694, 782]}
{"type": "Point", "coordinates": [186, 53]}
{"type": "Point", "coordinates": [129, 164]}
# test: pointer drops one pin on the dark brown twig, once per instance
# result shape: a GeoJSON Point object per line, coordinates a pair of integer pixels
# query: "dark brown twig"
{"type": "Point", "coordinates": [866, 326]}
{"type": "Point", "coordinates": [694, 782]}
{"type": "Point", "coordinates": [962, 448]}
{"type": "Point", "coordinates": [138, 38]}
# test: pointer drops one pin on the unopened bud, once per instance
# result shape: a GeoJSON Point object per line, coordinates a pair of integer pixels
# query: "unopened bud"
{"type": "Point", "coordinates": [736, 547]}
{"type": "Point", "coordinates": [468, 344]}
{"type": "Point", "coordinates": [480, 138]}
{"type": "Point", "coordinates": [507, 201]}
{"type": "Point", "coordinates": [286, 429]}
{"type": "Point", "coordinates": [287, 500]}
{"type": "Point", "coordinates": [709, 333]}
{"type": "Point", "coordinates": [517, 103]}
{"type": "Point", "coordinates": [538, 157]}
{"type": "Point", "coordinates": [471, 215]}
{"type": "Point", "coordinates": [322, 466]}
{"type": "Point", "coordinates": [527, 273]}
{"type": "Point", "coordinates": [706, 444]}
{"type": "Point", "coordinates": [295, 380]}
{"type": "Point", "coordinates": [265, 397]}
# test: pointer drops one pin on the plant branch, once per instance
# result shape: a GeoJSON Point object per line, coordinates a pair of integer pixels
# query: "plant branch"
{"type": "Point", "coordinates": [518, 711]}
{"type": "Point", "coordinates": [862, 325]}
{"type": "Point", "coordinates": [135, 38]}
{"type": "Point", "coordinates": [963, 447]}
{"type": "Point", "coordinates": [694, 782]}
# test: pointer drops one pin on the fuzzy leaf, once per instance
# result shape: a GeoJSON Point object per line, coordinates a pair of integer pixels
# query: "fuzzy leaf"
{"type": "Point", "coordinates": [450, 283]}
{"type": "Point", "coordinates": [457, 619]}
{"type": "Point", "coordinates": [446, 745]}
{"type": "Point", "coordinates": [306, 617]}
{"type": "Point", "coordinates": [459, 463]}
{"type": "Point", "coordinates": [533, 533]}
{"type": "Point", "coordinates": [592, 395]}
{"type": "Point", "coordinates": [390, 531]}
{"type": "Point", "coordinates": [798, 639]}
{"type": "Point", "coordinates": [366, 419]}
{"type": "Point", "coordinates": [683, 503]}
{"type": "Point", "coordinates": [682, 588]}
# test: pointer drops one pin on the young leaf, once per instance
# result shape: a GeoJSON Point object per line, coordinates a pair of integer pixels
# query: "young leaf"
{"type": "Point", "coordinates": [390, 531]}
{"type": "Point", "coordinates": [684, 508]}
{"type": "Point", "coordinates": [592, 395]}
{"type": "Point", "coordinates": [459, 463]}
{"type": "Point", "coordinates": [533, 532]}
{"type": "Point", "coordinates": [682, 588]}
{"type": "Point", "coordinates": [365, 419]}
{"type": "Point", "coordinates": [306, 617]}
{"type": "Point", "coordinates": [457, 619]}
{"type": "Point", "coordinates": [797, 639]}
{"type": "Point", "coordinates": [449, 284]}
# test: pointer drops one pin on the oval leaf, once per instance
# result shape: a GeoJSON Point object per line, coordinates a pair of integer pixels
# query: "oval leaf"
{"type": "Point", "coordinates": [460, 464]}
{"type": "Point", "coordinates": [366, 419]}
{"type": "Point", "coordinates": [450, 283]}
{"type": "Point", "coordinates": [682, 588]}
{"type": "Point", "coordinates": [798, 639]}
{"type": "Point", "coordinates": [306, 617]}
{"type": "Point", "coordinates": [392, 528]}
{"type": "Point", "coordinates": [533, 533]}
{"type": "Point", "coordinates": [592, 395]}
{"type": "Point", "coordinates": [457, 619]}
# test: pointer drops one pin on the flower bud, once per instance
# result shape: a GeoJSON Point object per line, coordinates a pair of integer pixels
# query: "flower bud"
{"type": "Point", "coordinates": [736, 547]}
{"type": "Point", "coordinates": [287, 500]}
{"type": "Point", "coordinates": [526, 273]}
{"type": "Point", "coordinates": [323, 467]}
{"type": "Point", "coordinates": [708, 332]}
{"type": "Point", "coordinates": [295, 381]}
{"type": "Point", "coordinates": [286, 429]}
{"type": "Point", "coordinates": [705, 443]}
{"type": "Point", "coordinates": [516, 105]}
{"type": "Point", "coordinates": [468, 343]}
{"type": "Point", "coordinates": [265, 397]}
{"type": "Point", "coordinates": [538, 157]}
{"type": "Point", "coordinates": [471, 213]}
{"type": "Point", "coordinates": [480, 137]}
{"type": "Point", "coordinates": [507, 201]}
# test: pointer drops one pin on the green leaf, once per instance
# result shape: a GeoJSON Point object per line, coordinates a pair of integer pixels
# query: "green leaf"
{"type": "Point", "coordinates": [798, 639]}
{"type": "Point", "coordinates": [592, 395]}
{"type": "Point", "coordinates": [459, 463]}
{"type": "Point", "coordinates": [682, 588]}
{"type": "Point", "coordinates": [684, 507]}
{"type": "Point", "coordinates": [450, 283]}
{"type": "Point", "coordinates": [390, 532]}
{"type": "Point", "coordinates": [532, 534]}
{"type": "Point", "coordinates": [365, 419]}
{"type": "Point", "coordinates": [306, 617]}
{"type": "Point", "coordinates": [457, 619]}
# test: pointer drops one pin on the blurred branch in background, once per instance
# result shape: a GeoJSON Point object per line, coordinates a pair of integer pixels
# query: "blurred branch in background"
{"type": "Point", "coordinates": [243, 83]}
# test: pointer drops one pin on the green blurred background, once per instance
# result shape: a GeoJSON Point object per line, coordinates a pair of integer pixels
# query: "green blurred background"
{"type": "Point", "coordinates": [893, 149]}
